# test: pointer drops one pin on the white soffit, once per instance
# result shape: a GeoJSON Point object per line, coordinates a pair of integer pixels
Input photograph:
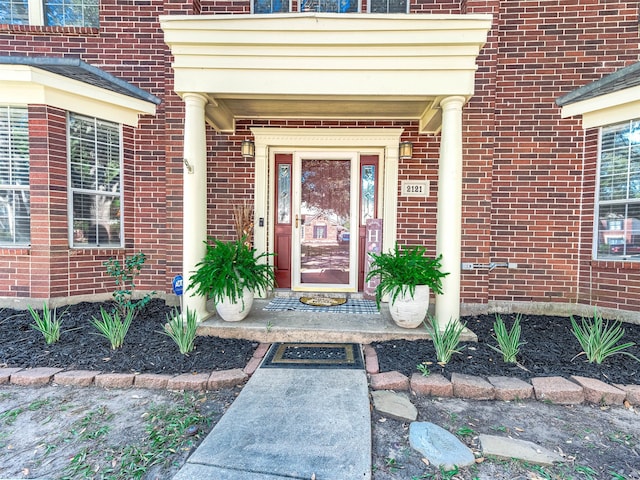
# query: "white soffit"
{"type": "Point", "coordinates": [24, 85]}
{"type": "Point", "coordinates": [606, 109]}
{"type": "Point", "coordinates": [315, 65]}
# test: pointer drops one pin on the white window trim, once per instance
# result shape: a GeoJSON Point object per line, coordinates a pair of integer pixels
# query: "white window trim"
{"type": "Point", "coordinates": [22, 188]}
{"type": "Point", "coordinates": [598, 203]}
{"type": "Point", "coordinates": [73, 191]}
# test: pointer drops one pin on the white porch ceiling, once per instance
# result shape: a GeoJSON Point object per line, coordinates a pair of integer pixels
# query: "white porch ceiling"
{"type": "Point", "coordinates": [325, 66]}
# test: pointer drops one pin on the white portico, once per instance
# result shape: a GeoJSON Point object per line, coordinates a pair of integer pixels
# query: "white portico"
{"type": "Point", "coordinates": [328, 66]}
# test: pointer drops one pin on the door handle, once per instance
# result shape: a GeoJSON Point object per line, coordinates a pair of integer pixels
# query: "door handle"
{"type": "Point", "coordinates": [296, 221]}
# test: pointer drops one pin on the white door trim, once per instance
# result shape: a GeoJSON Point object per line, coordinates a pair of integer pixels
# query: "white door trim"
{"type": "Point", "coordinates": [268, 140]}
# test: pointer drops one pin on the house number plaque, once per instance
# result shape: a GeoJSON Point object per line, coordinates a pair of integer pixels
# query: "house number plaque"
{"type": "Point", "coordinates": [415, 188]}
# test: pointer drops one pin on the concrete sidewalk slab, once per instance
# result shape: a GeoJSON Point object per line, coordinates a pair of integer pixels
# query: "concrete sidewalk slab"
{"type": "Point", "coordinates": [290, 423]}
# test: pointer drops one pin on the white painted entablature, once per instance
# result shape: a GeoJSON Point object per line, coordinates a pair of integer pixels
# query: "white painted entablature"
{"type": "Point", "coordinates": [323, 65]}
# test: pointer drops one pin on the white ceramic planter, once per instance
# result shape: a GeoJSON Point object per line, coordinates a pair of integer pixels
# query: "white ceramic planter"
{"type": "Point", "coordinates": [410, 312]}
{"type": "Point", "coordinates": [235, 311]}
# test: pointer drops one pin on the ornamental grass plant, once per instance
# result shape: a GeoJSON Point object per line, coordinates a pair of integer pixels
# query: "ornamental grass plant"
{"type": "Point", "coordinates": [112, 326]}
{"type": "Point", "coordinates": [598, 338]}
{"type": "Point", "coordinates": [48, 324]}
{"type": "Point", "coordinates": [508, 340]}
{"type": "Point", "coordinates": [182, 330]}
{"type": "Point", "coordinates": [446, 341]}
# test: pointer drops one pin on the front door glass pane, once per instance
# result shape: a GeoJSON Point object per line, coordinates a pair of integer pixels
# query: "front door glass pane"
{"type": "Point", "coordinates": [325, 221]}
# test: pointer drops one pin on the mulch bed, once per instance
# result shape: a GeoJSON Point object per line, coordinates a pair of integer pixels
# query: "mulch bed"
{"type": "Point", "coordinates": [145, 349]}
{"type": "Point", "coordinates": [550, 348]}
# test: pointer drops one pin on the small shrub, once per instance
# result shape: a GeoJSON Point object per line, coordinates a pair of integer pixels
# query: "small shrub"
{"type": "Point", "coordinates": [508, 340]}
{"type": "Point", "coordinates": [48, 325]}
{"type": "Point", "coordinates": [598, 338]}
{"type": "Point", "coordinates": [182, 332]}
{"type": "Point", "coordinates": [112, 327]}
{"type": "Point", "coordinates": [447, 341]}
{"type": "Point", "coordinates": [124, 276]}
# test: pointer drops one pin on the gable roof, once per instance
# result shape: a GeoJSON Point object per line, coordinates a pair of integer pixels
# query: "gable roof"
{"type": "Point", "coordinates": [622, 79]}
{"type": "Point", "coordinates": [76, 69]}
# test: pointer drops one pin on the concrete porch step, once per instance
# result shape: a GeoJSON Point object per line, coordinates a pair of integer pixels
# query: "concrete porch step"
{"type": "Point", "coordinates": [295, 326]}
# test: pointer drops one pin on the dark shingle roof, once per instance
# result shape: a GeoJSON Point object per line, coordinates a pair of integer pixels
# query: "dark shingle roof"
{"type": "Point", "coordinates": [76, 69]}
{"type": "Point", "coordinates": [614, 82]}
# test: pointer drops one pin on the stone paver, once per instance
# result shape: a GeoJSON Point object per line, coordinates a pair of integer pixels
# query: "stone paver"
{"type": "Point", "coordinates": [557, 390]}
{"type": "Point", "coordinates": [389, 381]}
{"type": "Point", "coordinates": [189, 381]}
{"type": "Point", "coordinates": [34, 376]}
{"type": "Point", "coordinates": [440, 447]}
{"type": "Point", "coordinates": [5, 374]}
{"type": "Point", "coordinates": [470, 386]}
{"type": "Point", "coordinates": [252, 365]}
{"type": "Point", "coordinates": [152, 380]}
{"type": "Point", "coordinates": [435, 385]}
{"type": "Point", "coordinates": [226, 379]}
{"type": "Point", "coordinates": [509, 388]}
{"type": "Point", "coordinates": [394, 405]}
{"type": "Point", "coordinates": [598, 392]}
{"type": "Point", "coordinates": [507, 448]}
{"type": "Point", "coordinates": [78, 378]}
{"type": "Point", "coordinates": [633, 393]}
{"type": "Point", "coordinates": [114, 380]}
{"type": "Point", "coordinates": [371, 360]}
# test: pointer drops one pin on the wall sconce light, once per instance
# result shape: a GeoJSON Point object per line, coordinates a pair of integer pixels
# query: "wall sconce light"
{"type": "Point", "coordinates": [406, 150]}
{"type": "Point", "coordinates": [248, 148]}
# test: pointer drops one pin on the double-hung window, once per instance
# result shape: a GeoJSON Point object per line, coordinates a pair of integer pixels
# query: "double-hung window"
{"type": "Point", "coordinates": [618, 210]}
{"type": "Point", "coordinates": [95, 178]}
{"type": "Point", "coordinates": [54, 13]}
{"type": "Point", "coordinates": [15, 228]}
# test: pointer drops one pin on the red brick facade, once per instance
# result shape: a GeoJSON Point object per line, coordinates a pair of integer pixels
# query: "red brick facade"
{"type": "Point", "coordinates": [529, 176]}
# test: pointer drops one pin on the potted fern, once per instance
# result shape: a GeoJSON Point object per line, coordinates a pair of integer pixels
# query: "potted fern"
{"type": "Point", "coordinates": [230, 273]}
{"type": "Point", "coordinates": [406, 275]}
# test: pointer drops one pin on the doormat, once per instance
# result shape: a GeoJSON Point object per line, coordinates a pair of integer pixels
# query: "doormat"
{"type": "Point", "coordinates": [351, 306]}
{"type": "Point", "coordinates": [314, 355]}
{"type": "Point", "coordinates": [323, 301]}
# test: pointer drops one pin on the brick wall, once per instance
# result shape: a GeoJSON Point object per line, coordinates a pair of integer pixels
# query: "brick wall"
{"type": "Point", "coordinates": [529, 176]}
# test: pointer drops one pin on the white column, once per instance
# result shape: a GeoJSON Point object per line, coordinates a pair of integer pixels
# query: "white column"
{"type": "Point", "coordinates": [194, 229]}
{"type": "Point", "coordinates": [449, 219]}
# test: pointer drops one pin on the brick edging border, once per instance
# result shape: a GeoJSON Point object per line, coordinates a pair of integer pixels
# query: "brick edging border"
{"type": "Point", "coordinates": [557, 390]}
{"type": "Point", "coordinates": [41, 376]}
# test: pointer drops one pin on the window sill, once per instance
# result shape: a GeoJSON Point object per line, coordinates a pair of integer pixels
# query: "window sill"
{"type": "Point", "coordinates": [46, 30]}
{"type": "Point", "coordinates": [617, 263]}
{"type": "Point", "coordinates": [17, 250]}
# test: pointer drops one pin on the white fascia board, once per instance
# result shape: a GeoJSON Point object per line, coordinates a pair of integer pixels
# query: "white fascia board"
{"type": "Point", "coordinates": [606, 109]}
{"type": "Point", "coordinates": [30, 85]}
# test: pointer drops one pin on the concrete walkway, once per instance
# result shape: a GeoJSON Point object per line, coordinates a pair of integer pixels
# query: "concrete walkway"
{"type": "Point", "coordinates": [290, 424]}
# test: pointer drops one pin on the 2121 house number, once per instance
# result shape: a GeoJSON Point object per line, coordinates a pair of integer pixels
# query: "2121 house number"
{"type": "Point", "coordinates": [415, 188]}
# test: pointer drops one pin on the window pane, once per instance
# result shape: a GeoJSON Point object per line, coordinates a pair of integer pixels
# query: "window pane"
{"type": "Point", "coordinates": [78, 13]}
{"type": "Point", "coordinates": [15, 207]}
{"type": "Point", "coordinates": [284, 193]}
{"type": "Point", "coordinates": [95, 166]}
{"type": "Point", "coordinates": [368, 182]}
{"type": "Point", "coordinates": [14, 12]}
{"type": "Point", "coordinates": [618, 223]}
{"type": "Point", "coordinates": [388, 6]}
{"type": "Point", "coordinates": [337, 6]}
{"type": "Point", "coordinates": [270, 6]}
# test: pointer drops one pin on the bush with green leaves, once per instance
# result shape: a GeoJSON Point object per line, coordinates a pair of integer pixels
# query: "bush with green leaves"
{"type": "Point", "coordinates": [446, 341]}
{"type": "Point", "coordinates": [508, 340]}
{"type": "Point", "coordinates": [599, 338]}
{"type": "Point", "coordinates": [182, 330]}
{"type": "Point", "coordinates": [112, 326]}
{"type": "Point", "coordinates": [402, 269]}
{"type": "Point", "coordinates": [228, 268]}
{"type": "Point", "coordinates": [124, 275]}
{"type": "Point", "coordinates": [48, 324]}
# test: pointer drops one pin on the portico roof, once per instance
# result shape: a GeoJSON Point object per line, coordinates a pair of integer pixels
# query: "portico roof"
{"type": "Point", "coordinates": [323, 65]}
